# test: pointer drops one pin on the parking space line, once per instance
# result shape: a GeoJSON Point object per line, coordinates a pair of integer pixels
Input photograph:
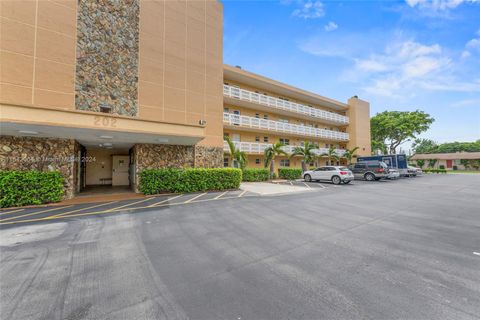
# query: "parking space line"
{"type": "Point", "coordinates": [17, 210]}
{"type": "Point", "coordinates": [78, 210]}
{"type": "Point", "coordinates": [34, 213]}
{"type": "Point", "coordinates": [307, 185]}
{"type": "Point", "coordinates": [196, 197]}
{"type": "Point", "coordinates": [128, 204]}
{"type": "Point", "coordinates": [163, 201]}
{"type": "Point", "coordinates": [241, 194]}
{"type": "Point", "coordinates": [291, 183]}
{"type": "Point", "coordinates": [220, 195]}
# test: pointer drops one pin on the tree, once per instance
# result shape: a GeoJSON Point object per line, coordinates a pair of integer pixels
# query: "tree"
{"type": "Point", "coordinates": [331, 154]}
{"type": "Point", "coordinates": [270, 153]}
{"type": "Point", "coordinates": [465, 163]}
{"type": "Point", "coordinates": [306, 152]}
{"type": "Point", "coordinates": [349, 154]}
{"type": "Point", "coordinates": [431, 163]}
{"type": "Point", "coordinates": [392, 128]}
{"type": "Point", "coordinates": [239, 156]}
{"type": "Point", "coordinates": [420, 163]}
{"type": "Point", "coordinates": [424, 146]}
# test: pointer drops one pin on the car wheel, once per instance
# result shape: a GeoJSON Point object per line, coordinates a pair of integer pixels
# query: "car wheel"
{"type": "Point", "coordinates": [336, 180]}
{"type": "Point", "coordinates": [307, 178]}
{"type": "Point", "coordinates": [369, 176]}
{"type": "Point", "coordinates": [347, 182]}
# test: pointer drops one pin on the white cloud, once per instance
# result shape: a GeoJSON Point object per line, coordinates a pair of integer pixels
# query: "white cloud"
{"type": "Point", "coordinates": [331, 26]}
{"type": "Point", "coordinates": [474, 44]}
{"type": "Point", "coordinates": [309, 10]}
{"type": "Point", "coordinates": [437, 5]}
{"type": "Point", "coordinates": [466, 103]}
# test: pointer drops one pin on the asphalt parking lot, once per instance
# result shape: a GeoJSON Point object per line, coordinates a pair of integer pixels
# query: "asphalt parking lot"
{"type": "Point", "coordinates": [407, 249]}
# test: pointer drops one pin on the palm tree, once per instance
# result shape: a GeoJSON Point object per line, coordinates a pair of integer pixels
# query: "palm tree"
{"type": "Point", "coordinates": [270, 154]}
{"type": "Point", "coordinates": [306, 152]}
{"type": "Point", "coordinates": [331, 154]}
{"type": "Point", "coordinates": [239, 156]}
{"type": "Point", "coordinates": [349, 154]}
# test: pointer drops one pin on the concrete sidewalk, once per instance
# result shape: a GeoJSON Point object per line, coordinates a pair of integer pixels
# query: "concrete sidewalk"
{"type": "Point", "coordinates": [267, 188]}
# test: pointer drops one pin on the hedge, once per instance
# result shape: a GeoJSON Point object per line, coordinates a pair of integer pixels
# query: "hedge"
{"type": "Point", "coordinates": [153, 181]}
{"type": "Point", "coordinates": [21, 188]}
{"type": "Point", "coordinates": [255, 174]}
{"type": "Point", "coordinates": [435, 171]}
{"type": "Point", "coordinates": [289, 173]}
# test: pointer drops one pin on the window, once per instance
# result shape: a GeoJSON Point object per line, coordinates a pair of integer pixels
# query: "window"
{"type": "Point", "coordinates": [257, 139]}
{"type": "Point", "coordinates": [257, 161]}
{"type": "Point", "coordinates": [257, 115]}
{"type": "Point", "coordinates": [225, 162]}
{"type": "Point", "coordinates": [265, 139]}
{"type": "Point", "coordinates": [285, 163]}
{"type": "Point", "coordinates": [285, 141]}
{"type": "Point", "coordinates": [226, 110]}
{"type": "Point", "coordinates": [236, 137]}
{"type": "Point", "coordinates": [360, 166]}
{"type": "Point", "coordinates": [457, 162]}
{"type": "Point", "coordinates": [283, 120]}
{"type": "Point", "coordinates": [265, 116]}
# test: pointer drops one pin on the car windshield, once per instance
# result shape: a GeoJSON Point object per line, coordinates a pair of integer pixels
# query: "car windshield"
{"type": "Point", "coordinates": [343, 168]}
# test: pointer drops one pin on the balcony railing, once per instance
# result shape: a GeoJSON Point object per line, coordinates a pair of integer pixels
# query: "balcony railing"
{"type": "Point", "coordinates": [245, 95]}
{"type": "Point", "coordinates": [259, 148]}
{"type": "Point", "coordinates": [270, 125]}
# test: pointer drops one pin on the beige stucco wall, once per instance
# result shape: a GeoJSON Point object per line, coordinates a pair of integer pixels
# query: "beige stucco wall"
{"type": "Point", "coordinates": [180, 66]}
{"type": "Point", "coordinates": [37, 53]}
{"type": "Point", "coordinates": [359, 127]}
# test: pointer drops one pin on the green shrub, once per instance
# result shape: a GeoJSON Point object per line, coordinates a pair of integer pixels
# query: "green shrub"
{"type": "Point", "coordinates": [255, 174]}
{"type": "Point", "coordinates": [435, 171]}
{"type": "Point", "coordinates": [21, 188]}
{"type": "Point", "coordinates": [153, 181]}
{"type": "Point", "coordinates": [289, 173]}
{"type": "Point", "coordinates": [442, 166]}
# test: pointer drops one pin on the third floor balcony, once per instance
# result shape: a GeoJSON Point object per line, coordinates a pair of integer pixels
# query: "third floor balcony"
{"type": "Point", "coordinates": [256, 124]}
{"type": "Point", "coordinates": [246, 98]}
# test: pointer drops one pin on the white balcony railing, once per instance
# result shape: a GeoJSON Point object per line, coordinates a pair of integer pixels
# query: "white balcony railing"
{"type": "Point", "coordinates": [270, 125]}
{"type": "Point", "coordinates": [259, 148]}
{"type": "Point", "coordinates": [241, 94]}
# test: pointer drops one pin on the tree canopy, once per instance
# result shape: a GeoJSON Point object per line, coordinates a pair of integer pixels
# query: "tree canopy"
{"type": "Point", "coordinates": [430, 146]}
{"type": "Point", "coordinates": [390, 129]}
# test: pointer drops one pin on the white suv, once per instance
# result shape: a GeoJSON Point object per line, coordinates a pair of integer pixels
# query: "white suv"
{"type": "Point", "coordinates": [335, 174]}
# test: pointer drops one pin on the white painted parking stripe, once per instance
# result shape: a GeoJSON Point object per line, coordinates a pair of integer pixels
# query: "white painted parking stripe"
{"type": "Point", "coordinates": [128, 204]}
{"type": "Point", "coordinates": [220, 195]}
{"type": "Point", "coordinates": [476, 253]}
{"type": "Point", "coordinates": [196, 197]}
{"type": "Point", "coordinates": [163, 201]}
{"type": "Point", "coordinates": [18, 210]}
{"type": "Point", "coordinates": [307, 185]}
{"type": "Point", "coordinates": [241, 194]}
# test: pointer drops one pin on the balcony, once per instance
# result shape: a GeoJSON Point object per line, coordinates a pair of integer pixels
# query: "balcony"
{"type": "Point", "coordinates": [259, 148]}
{"type": "Point", "coordinates": [231, 119]}
{"type": "Point", "coordinates": [300, 110]}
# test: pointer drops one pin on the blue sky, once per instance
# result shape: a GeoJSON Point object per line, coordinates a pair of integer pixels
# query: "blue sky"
{"type": "Point", "coordinates": [398, 55]}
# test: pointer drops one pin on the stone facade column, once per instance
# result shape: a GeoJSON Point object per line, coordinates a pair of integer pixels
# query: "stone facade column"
{"type": "Point", "coordinates": [43, 154]}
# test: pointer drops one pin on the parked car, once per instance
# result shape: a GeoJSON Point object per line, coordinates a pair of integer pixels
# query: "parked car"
{"type": "Point", "coordinates": [370, 170]}
{"type": "Point", "coordinates": [335, 174]}
{"type": "Point", "coordinates": [414, 171]}
{"type": "Point", "coordinates": [393, 174]}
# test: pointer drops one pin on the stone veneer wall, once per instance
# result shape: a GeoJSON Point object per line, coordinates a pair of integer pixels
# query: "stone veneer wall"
{"type": "Point", "coordinates": [107, 56]}
{"type": "Point", "coordinates": [43, 154]}
{"type": "Point", "coordinates": [208, 157]}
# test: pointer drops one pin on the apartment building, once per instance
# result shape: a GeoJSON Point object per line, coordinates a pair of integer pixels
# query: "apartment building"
{"type": "Point", "coordinates": [102, 90]}
{"type": "Point", "coordinates": [259, 112]}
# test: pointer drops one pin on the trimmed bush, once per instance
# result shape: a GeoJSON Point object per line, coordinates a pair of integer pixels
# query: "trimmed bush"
{"type": "Point", "coordinates": [442, 166]}
{"type": "Point", "coordinates": [21, 188]}
{"type": "Point", "coordinates": [289, 173]}
{"type": "Point", "coordinates": [435, 171]}
{"type": "Point", "coordinates": [252, 175]}
{"type": "Point", "coordinates": [153, 181]}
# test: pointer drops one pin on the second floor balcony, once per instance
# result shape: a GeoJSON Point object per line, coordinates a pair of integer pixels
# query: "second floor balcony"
{"type": "Point", "coordinates": [259, 148]}
{"type": "Point", "coordinates": [283, 106]}
{"type": "Point", "coordinates": [255, 124]}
